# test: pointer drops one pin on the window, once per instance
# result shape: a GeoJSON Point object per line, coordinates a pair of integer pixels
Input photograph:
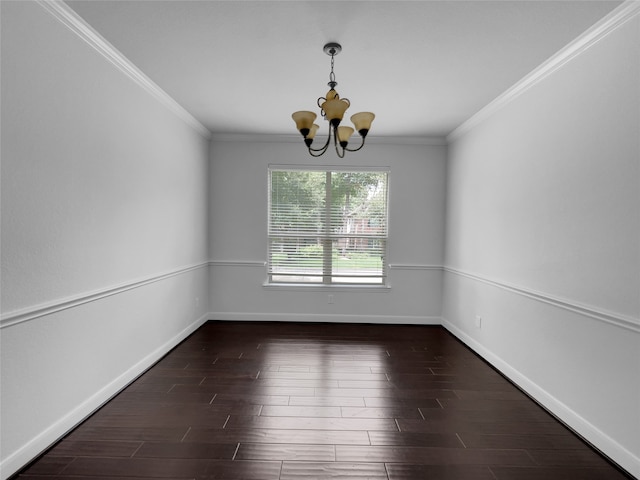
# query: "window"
{"type": "Point", "coordinates": [327, 226]}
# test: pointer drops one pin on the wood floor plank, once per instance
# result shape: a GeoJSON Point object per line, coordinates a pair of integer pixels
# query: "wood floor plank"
{"type": "Point", "coordinates": [327, 401]}
{"type": "Point", "coordinates": [243, 470]}
{"type": "Point", "coordinates": [559, 442]}
{"type": "Point", "coordinates": [545, 473]}
{"type": "Point", "coordinates": [331, 375]}
{"type": "Point", "coordinates": [50, 465]}
{"type": "Point", "coordinates": [91, 477]}
{"type": "Point", "coordinates": [399, 471]}
{"type": "Point", "coordinates": [141, 467]}
{"type": "Point", "coordinates": [105, 448]}
{"type": "Point", "coordinates": [127, 433]}
{"type": "Point", "coordinates": [333, 470]}
{"type": "Point", "coordinates": [285, 401]}
{"type": "Point", "coordinates": [447, 440]}
{"type": "Point", "coordinates": [301, 411]}
{"type": "Point", "coordinates": [258, 435]}
{"type": "Point", "coordinates": [381, 412]}
{"type": "Point", "coordinates": [312, 423]}
{"type": "Point", "coordinates": [583, 456]}
{"type": "Point", "coordinates": [432, 455]}
{"type": "Point", "coordinates": [208, 417]}
{"type": "Point", "coordinates": [292, 452]}
{"type": "Point", "coordinates": [291, 382]}
{"type": "Point", "coordinates": [422, 399]}
{"type": "Point", "coordinates": [480, 427]}
{"type": "Point", "coordinates": [191, 450]}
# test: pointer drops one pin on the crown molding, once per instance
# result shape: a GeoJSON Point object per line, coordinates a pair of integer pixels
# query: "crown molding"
{"type": "Point", "coordinates": [255, 137]}
{"type": "Point", "coordinates": [296, 138]}
{"type": "Point", "coordinates": [70, 19]}
{"type": "Point", "coordinates": [615, 19]}
{"type": "Point", "coordinates": [400, 140]}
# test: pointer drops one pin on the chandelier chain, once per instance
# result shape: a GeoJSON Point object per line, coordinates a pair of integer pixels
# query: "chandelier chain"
{"type": "Point", "coordinates": [332, 76]}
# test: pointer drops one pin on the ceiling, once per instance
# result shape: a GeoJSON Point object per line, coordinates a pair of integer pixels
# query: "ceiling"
{"type": "Point", "coordinates": [423, 67]}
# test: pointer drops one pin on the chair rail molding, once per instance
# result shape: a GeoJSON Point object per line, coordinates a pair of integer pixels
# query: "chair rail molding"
{"type": "Point", "coordinates": [617, 319]}
{"type": "Point", "coordinates": [414, 266]}
{"type": "Point", "coordinates": [31, 313]}
{"type": "Point", "coordinates": [237, 263]}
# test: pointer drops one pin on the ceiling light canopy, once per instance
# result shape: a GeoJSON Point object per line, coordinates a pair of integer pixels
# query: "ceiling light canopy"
{"type": "Point", "coordinates": [332, 108]}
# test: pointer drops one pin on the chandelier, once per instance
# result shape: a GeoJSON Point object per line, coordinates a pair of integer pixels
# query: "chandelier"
{"type": "Point", "coordinates": [332, 108]}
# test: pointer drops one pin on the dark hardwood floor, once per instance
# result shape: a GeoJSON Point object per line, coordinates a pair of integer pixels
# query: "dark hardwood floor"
{"type": "Point", "coordinates": [300, 401]}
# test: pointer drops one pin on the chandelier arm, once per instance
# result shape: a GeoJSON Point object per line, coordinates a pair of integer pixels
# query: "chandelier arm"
{"type": "Point", "coordinates": [356, 149]}
{"type": "Point", "coordinates": [322, 152]}
{"type": "Point", "coordinates": [335, 143]}
{"type": "Point", "coordinates": [319, 152]}
{"type": "Point", "coordinates": [320, 101]}
{"type": "Point", "coordinates": [324, 147]}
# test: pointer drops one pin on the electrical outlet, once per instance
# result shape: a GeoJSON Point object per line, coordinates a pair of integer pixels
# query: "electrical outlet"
{"type": "Point", "coordinates": [478, 321]}
{"type": "Point", "coordinates": [330, 299]}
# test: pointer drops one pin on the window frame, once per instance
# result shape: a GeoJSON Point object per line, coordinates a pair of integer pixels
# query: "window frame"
{"type": "Point", "coordinates": [327, 278]}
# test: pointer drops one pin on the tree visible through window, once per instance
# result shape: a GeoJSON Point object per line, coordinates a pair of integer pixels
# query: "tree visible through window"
{"type": "Point", "coordinates": [327, 227]}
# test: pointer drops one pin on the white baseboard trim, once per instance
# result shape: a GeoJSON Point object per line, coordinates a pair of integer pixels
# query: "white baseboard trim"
{"type": "Point", "coordinates": [607, 445]}
{"type": "Point", "coordinates": [324, 318]}
{"type": "Point", "coordinates": [58, 429]}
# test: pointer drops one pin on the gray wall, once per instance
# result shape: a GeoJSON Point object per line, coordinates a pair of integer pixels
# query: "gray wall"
{"type": "Point", "coordinates": [104, 238]}
{"type": "Point", "coordinates": [543, 242]}
{"type": "Point", "coordinates": [238, 233]}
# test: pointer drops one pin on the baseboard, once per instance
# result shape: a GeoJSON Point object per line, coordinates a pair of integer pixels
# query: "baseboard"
{"type": "Point", "coordinates": [57, 430]}
{"type": "Point", "coordinates": [598, 439]}
{"type": "Point", "coordinates": [325, 318]}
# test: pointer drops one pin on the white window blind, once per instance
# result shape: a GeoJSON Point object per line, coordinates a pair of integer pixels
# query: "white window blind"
{"type": "Point", "coordinates": [327, 227]}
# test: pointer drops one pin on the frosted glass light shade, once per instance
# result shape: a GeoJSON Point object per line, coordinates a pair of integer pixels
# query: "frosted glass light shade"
{"type": "Point", "coordinates": [304, 121]}
{"type": "Point", "coordinates": [312, 131]}
{"type": "Point", "coordinates": [331, 95]}
{"type": "Point", "coordinates": [344, 133]}
{"type": "Point", "coordinates": [334, 110]}
{"type": "Point", "coordinates": [362, 122]}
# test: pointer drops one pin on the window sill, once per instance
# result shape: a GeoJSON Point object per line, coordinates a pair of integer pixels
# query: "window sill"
{"type": "Point", "coordinates": [325, 288]}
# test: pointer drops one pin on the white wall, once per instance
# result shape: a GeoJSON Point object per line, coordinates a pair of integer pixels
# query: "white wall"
{"type": "Point", "coordinates": [104, 237]}
{"type": "Point", "coordinates": [543, 235]}
{"type": "Point", "coordinates": [238, 233]}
